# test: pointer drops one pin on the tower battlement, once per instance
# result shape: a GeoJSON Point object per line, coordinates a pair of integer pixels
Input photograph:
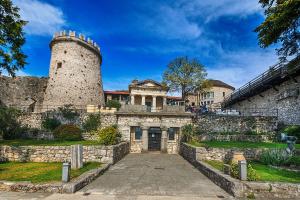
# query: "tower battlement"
{"type": "Point", "coordinates": [72, 35]}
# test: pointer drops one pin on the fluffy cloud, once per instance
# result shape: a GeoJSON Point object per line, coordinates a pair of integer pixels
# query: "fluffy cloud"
{"type": "Point", "coordinates": [43, 18]}
{"type": "Point", "coordinates": [237, 68]}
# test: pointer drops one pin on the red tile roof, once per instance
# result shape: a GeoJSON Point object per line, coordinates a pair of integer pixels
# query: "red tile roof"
{"type": "Point", "coordinates": [125, 92]}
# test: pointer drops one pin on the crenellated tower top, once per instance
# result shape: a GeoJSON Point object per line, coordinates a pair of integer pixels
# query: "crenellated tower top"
{"type": "Point", "coordinates": [71, 35]}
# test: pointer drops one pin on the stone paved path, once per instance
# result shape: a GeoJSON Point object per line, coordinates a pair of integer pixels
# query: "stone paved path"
{"type": "Point", "coordinates": [142, 177]}
{"type": "Point", "coordinates": [154, 174]}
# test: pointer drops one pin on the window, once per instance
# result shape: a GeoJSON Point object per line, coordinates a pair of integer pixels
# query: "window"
{"type": "Point", "coordinates": [212, 94]}
{"type": "Point", "coordinates": [171, 133]}
{"type": "Point", "coordinates": [137, 133]}
{"type": "Point", "coordinates": [193, 103]}
{"type": "Point", "coordinates": [223, 94]}
{"type": "Point", "coordinates": [59, 65]}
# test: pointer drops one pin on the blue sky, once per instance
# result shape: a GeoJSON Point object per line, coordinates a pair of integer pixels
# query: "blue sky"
{"type": "Point", "coordinates": [138, 38]}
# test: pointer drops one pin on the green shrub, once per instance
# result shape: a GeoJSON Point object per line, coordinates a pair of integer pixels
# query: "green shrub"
{"type": "Point", "coordinates": [275, 157]}
{"type": "Point", "coordinates": [188, 131]}
{"type": "Point", "coordinates": [50, 123]}
{"type": "Point", "coordinates": [67, 132]}
{"type": "Point", "coordinates": [251, 173]}
{"type": "Point", "coordinates": [92, 123]}
{"type": "Point", "coordinates": [10, 128]}
{"type": "Point", "coordinates": [113, 104]}
{"type": "Point", "coordinates": [68, 112]}
{"type": "Point", "coordinates": [108, 135]}
{"type": "Point", "coordinates": [293, 130]}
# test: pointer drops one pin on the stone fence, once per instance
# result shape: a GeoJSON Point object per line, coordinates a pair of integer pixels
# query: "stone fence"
{"type": "Point", "coordinates": [236, 137]}
{"type": "Point", "coordinates": [235, 124]}
{"type": "Point", "coordinates": [95, 153]}
{"type": "Point", "coordinates": [235, 187]}
{"type": "Point", "coordinates": [220, 154]}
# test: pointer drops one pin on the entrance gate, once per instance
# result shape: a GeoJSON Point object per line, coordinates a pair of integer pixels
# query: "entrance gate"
{"type": "Point", "coordinates": [154, 139]}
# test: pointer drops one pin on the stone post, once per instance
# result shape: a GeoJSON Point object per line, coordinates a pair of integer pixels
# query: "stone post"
{"type": "Point", "coordinates": [164, 140]}
{"type": "Point", "coordinates": [76, 156]}
{"type": "Point", "coordinates": [145, 138]}
{"type": "Point", "coordinates": [153, 104]}
{"type": "Point", "coordinates": [143, 100]}
{"type": "Point", "coordinates": [132, 99]}
{"type": "Point", "coordinates": [66, 172]}
{"type": "Point", "coordinates": [243, 170]}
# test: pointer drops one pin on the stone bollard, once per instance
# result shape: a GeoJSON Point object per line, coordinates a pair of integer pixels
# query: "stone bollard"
{"type": "Point", "coordinates": [66, 172]}
{"type": "Point", "coordinates": [243, 170]}
{"type": "Point", "coordinates": [76, 156]}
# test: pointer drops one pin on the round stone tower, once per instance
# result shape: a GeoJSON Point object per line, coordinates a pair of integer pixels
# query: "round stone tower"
{"type": "Point", "coordinates": [75, 72]}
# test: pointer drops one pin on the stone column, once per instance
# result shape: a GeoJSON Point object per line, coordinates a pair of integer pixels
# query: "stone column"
{"type": "Point", "coordinates": [143, 100]}
{"type": "Point", "coordinates": [165, 101]}
{"type": "Point", "coordinates": [145, 138]}
{"type": "Point", "coordinates": [153, 104]}
{"type": "Point", "coordinates": [132, 99]}
{"type": "Point", "coordinates": [164, 139]}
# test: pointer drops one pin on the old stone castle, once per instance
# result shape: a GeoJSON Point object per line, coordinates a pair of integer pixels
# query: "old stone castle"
{"type": "Point", "coordinates": [148, 118]}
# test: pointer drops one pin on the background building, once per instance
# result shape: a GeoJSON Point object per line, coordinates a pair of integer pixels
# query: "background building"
{"type": "Point", "coordinates": [212, 96]}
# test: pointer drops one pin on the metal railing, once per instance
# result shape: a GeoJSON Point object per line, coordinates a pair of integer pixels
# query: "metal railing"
{"type": "Point", "coordinates": [264, 79]}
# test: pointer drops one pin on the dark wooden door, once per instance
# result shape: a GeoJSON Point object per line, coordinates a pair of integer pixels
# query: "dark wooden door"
{"type": "Point", "coordinates": [154, 139]}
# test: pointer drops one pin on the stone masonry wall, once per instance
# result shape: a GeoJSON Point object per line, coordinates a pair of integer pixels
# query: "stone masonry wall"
{"type": "Point", "coordinates": [239, 124]}
{"type": "Point", "coordinates": [286, 100]}
{"type": "Point", "coordinates": [104, 154]}
{"type": "Point", "coordinates": [24, 92]}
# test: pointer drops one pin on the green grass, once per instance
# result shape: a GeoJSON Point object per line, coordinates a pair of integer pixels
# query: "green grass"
{"type": "Point", "coordinates": [225, 144]}
{"type": "Point", "coordinates": [265, 173]}
{"type": "Point", "coordinates": [38, 172]}
{"type": "Point", "coordinates": [46, 142]}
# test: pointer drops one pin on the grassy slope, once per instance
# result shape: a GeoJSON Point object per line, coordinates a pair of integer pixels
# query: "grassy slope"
{"type": "Point", "coordinates": [45, 142]}
{"type": "Point", "coordinates": [38, 172]}
{"type": "Point", "coordinates": [219, 144]}
{"type": "Point", "coordinates": [265, 173]}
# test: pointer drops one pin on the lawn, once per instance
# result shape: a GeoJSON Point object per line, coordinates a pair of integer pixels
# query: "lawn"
{"type": "Point", "coordinates": [265, 173]}
{"type": "Point", "coordinates": [242, 145]}
{"type": "Point", "coordinates": [38, 172]}
{"type": "Point", "coordinates": [46, 142]}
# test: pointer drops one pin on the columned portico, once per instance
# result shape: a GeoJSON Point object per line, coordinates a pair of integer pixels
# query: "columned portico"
{"type": "Point", "coordinates": [132, 99]}
{"type": "Point", "coordinates": [143, 100]}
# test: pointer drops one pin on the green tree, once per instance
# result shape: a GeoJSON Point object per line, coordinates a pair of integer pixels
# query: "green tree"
{"type": "Point", "coordinates": [184, 75]}
{"type": "Point", "coordinates": [11, 38]}
{"type": "Point", "coordinates": [281, 25]}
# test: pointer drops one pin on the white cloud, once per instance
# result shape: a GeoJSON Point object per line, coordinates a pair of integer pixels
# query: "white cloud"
{"type": "Point", "coordinates": [43, 18]}
{"type": "Point", "coordinates": [18, 73]}
{"type": "Point", "coordinates": [238, 68]}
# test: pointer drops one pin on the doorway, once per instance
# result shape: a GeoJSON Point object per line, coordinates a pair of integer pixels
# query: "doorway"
{"type": "Point", "coordinates": [154, 139]}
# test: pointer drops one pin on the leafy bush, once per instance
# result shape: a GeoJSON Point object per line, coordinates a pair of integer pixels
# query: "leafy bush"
{"type": "Point", "coordinates": [92, 123]}
{"type": "Point", "coordinates": [293, 130]}
{"type": "Point", "coordinates": [68, 112]}
{"type": "Point", "coordinates": [251, 173]}
{"type": "Point", "coordinates": [113, 104]}
{"type": "Point", "coordinates": [275, 157]}
{"type": "Point", "coordinates": [50, 123]}
{"type": "Point", "coordinates": [67, 132]}
{"type": "Point", "coordinates": [108, 135]}
{"type": "Point", "coordinates": [188, 131]}
{"type": "Point", "coordinates": [10, 128]}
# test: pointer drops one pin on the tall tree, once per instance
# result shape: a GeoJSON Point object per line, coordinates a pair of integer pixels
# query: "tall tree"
{"type": "Point", "coordinates": [281, 25]}
{"type": "Point", "coordinates": [11, 38]}
{"type": "Point", "coordinates": [184, 75]}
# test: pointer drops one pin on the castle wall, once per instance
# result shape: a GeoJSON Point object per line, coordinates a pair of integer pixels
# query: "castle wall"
{"type": "Point", "coordinates": [24, 92]}
{"type": "Point", "coordinates": [286, 100]}
{"type": "Point", "coordinates": [75, 75]}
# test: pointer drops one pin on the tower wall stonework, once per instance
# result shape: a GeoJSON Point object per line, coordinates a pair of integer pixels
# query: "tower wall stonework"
{"type": "Point", "coordinates": [75, 72]}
